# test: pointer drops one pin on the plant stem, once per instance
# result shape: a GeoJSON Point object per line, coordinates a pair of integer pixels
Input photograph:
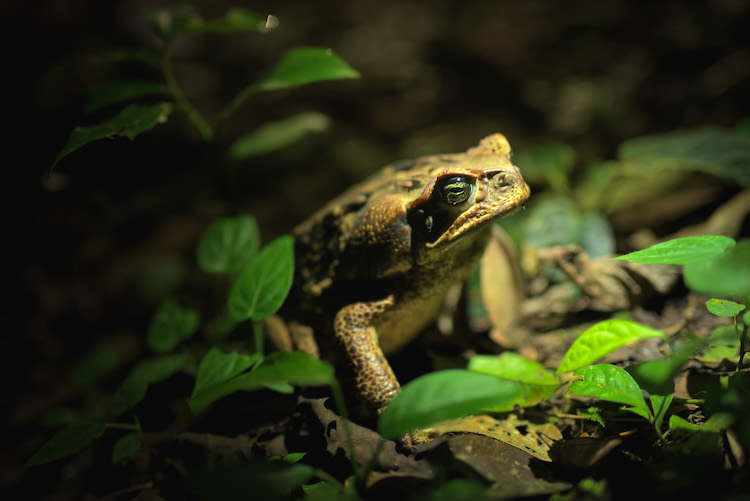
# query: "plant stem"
{"type": "Point", "coordinates": [743, 338]}
{"type": "Point", "coordinates": [181, 99]}
{"type": "Point", "coordinates": [238, 101]}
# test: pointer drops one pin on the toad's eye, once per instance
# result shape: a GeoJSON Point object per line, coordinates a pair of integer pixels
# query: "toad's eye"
{"type": "Point", "coordinates": [456, 190]}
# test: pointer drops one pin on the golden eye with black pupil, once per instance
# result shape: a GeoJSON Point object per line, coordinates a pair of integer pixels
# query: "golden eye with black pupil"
{"type": "Point", "coordinates": [455, 190]}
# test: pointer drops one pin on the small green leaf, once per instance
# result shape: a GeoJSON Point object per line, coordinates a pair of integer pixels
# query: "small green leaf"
{"type": "Point", "coordinates": [510, 365]}
{"type": "Point", "coordinates": [305, 65]}
{"type": "Point", "coordinates": [122, 91]}
{"type": "Point", "coordinates": [171, 325]}
{"type": "Point", "coordinates": [276, 135]}
{"type": "Point", "coordinates": [444, 395]}
{"type": "Point", "coordinates": [680, 250]}
{"type": "Point", "coordinates": [551, 222]}
{"type": "Point", "coordinates": [597, 237]}
{"type": "Point", "coordinates": [69, 440]}
{"type": "Point", "coordinates": [601, 339]}
{"type": "Point", "coordinates": [724, 307]}
{"type": "Point", "coordinates": [611, 383]}
{"type": "Point", "coordinates": [183, 20]}
{"type": "Point", "coordinates": [217, 367]}
{"type": "Point", "coordinates": [228, 244]}
{"type": "Point", "coordinates": [134, 387]}
{"type": "Point", "coordinates": [660, 405]}
{"type": "Point", "coordinates": [263, 285]}
{"type": "Point", "coordinates": [724, 275]}
{"type": "Point", "coordinates": [95, 365]}
{"type": "Point", "coordinates": [294, 457]}
{"type": "Point", "coordinates": [128, 123]}
{"type": "Point", "coordinates": [279, 368]}
{"type": "Point", "coordinates": [126, 448]}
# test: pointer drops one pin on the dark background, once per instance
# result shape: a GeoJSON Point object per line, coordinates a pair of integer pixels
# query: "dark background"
{"type": "Point", "coordinates": [89, 250]}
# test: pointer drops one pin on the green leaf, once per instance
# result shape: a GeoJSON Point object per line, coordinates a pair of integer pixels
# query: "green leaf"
{"type": "Point", "coordinates": [596, 237]}
{"type": "Point", "coordinates": [228, 244]}
{"type": "Point", "coordinates": [444, 395]}
{"type": "Point", "coordinates": [171, 325]}
{"type": "Point", "coordinates": [122, 91]}
{"type": "Point", "coordinates": [551, 222]}
{"type": "Point", "coordinates": [276, 135]}
{"type": "Point", "coordinates": [95, 365]}
{"type": "Point", "coordinates": [724, 307]}
{"type": "Point", "coordinates": [126, 448]}
{"type": "Point", "coordinates": [512, 366]}
{"type": "Point", "coordinates": [548, 164]}
{"type": "Point", "coordinates": [305, 65]}
{"type": "Point", "coordinates": [601, 339]}
{"type": "Point", "coordinates": [129, 122]}
{"type": "Point", "coordinates": [660, 405]}
{"type": "Point", "coordinates": [611, 383]}
{"type": "Point", "coordinates": [263, 285]}
{"type": "Point", "coordinates": [724, 275]}
{"type": "Point", "coordinates": [292, 368]}
{"type": "Point", "coordinates": [217, 367]}
{"type": "Point", "coordinates": [134, 387]}
{"type": "Point", "coordinates": [680, 250]}
{"type": "Point", "coordinates": [722, 152]}
{"type": "Point", "coordinates": [715, 424]}
{"type": "Point", "coordinates": [69, 440]}
{"type": "Point", "coordinates": [183, 20]}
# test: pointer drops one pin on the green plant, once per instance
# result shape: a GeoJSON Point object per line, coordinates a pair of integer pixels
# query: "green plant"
{"type": "Point", "coordinates": [712, 263]}
{"type": "Point", "coordinates": [299, 66]}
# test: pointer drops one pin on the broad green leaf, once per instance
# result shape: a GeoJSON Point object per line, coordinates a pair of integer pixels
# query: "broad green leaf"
{"type": "Point", "coordinates": [548, 164]}
{"type": "Point", "coordinates": [183, 20]}
{"type": "Point", "coordinates": [69, 440]}
{"type": "Point", "coordinates": [510, 365]}
{"type": "Point", "coordinates": [724, 307]}
{"type": "Point", "coordinates": [228, 244]}
{"type": "Point", "coordinates": [596, 237]}
{"type": "Point", "coordinates": [126, 448]}
{"type": "Point", "coordinates": [134, 387]}
{"type": "Point", "coordinates": [171, 325]}
{"type": "Point", "coordinates": [305, 65]}
{"type": "Point", "coordinates": [551, 222]}
{"type": "Point", "coordinates": [715, 424]}
{"type": "Point", "coordinates": [264, 283]}
{"type": "Point", "coordinates": [129, 122]}
{"type": "Point", "coordinates": [724, 275]}
{"type": "Point", "coordinates": [444, 395]}
{"type": "Point", "coordinates": [680, 250]}
{"type": "Point", "coordinates": [217, 367]}
{"type": "Point", "coordinates": [611, 383]}
{"type": "Point", "coordinates": [660, 405]}
{"type": "Point", "coordinates": [95, 365]}
{"type": "Point", "coordinates": [722, 152]}
{"type": "Point", "coordinates": [292, 368]}
{"type": "Point", "coordinates": [122, 91]}
{"type": "Point", "coordinates": [276, 135]}
{"type": "Point", "coordinates": [601, 339]}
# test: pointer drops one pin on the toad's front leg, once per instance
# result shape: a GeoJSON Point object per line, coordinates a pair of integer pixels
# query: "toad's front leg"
{"type": "Point", "coordinates": [374, 381]}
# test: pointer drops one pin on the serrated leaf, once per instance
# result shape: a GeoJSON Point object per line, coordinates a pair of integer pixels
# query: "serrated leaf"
{"type": "Point", "coordinates": [228, 244]}
{"type": "Point", "coordinates": [601, 339]}
{"type": "Point", "coordinates": [126, 448]}
{"type": "Point", "coordinates": [279, 368]}
{"type": "Point", "coordinates": [305, 65]}
{"type": "Point", "coordinates": [122, 91]}
{"type": "Point", "coordinates": [726, 274]}
{"type": "Point", "coordinates": [724, 307]}
{"type": "Point", "coordinates": [129, 122]}
{"type": "Point", "coordinates": [218, 366]}
{"type": "Point", "coordinates": [264, 283]}
{"type": "Point", "coordinates": [444, 395]}
{"type": "Point", "coordinates": [611, 383]}
{"type": "Point", "coordinates": [276, 135]}
{"type": "Point", "coordinates": [134, 387]}
{"type": "Point", "coordinates": [722, 152]}
{"type": "Point", "coordinates": [680, 250]}
{"type": "Point", "coordinates": [171, 325]}
{"type": "Point", "coordinates": [69, 440]}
